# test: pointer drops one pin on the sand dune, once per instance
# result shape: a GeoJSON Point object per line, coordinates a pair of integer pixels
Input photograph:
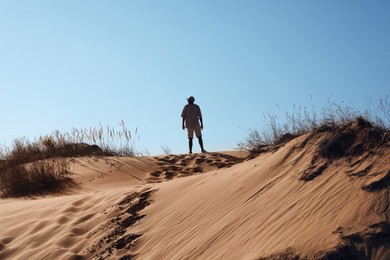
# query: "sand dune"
{"type": "Point", "coordinates": [309, 198]}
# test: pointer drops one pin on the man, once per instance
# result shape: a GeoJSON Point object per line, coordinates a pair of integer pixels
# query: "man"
{"type": "Point", "coordinates": [191, 116]}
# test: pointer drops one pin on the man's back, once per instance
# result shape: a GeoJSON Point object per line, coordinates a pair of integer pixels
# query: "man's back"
{"type": "Point", "coordinates": [191, 113]}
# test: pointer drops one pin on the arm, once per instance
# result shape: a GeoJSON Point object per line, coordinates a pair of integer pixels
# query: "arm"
{"type": "Point", "coordinates": [183, 116]}
{"type": "Point", "coordinates": [200, 117]}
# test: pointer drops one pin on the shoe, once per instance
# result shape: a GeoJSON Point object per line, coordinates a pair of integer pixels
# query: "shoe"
{"type": "Point", "coordinates": [204, 151]}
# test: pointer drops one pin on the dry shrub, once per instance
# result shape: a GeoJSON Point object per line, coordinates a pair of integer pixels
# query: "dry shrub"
{"type": "Point", "coordinates": [40, 167]}
{"type": "Point", "coordinates": [303, 120]}
{"type": "Point", "coordinates": [352, 138]}
{"type": "Point", "coordinates": [35, 178]}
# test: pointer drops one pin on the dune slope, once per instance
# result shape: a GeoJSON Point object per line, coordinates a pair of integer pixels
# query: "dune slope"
{"type": "Point", "coordinates": [324, 195]}
{"type": "Point", "coordinates": [297, 201]}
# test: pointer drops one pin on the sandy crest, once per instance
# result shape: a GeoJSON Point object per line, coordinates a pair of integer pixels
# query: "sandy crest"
{"type": "Point", "coordinates": [285, 203]}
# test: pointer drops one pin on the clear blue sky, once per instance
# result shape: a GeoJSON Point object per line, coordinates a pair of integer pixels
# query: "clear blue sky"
{"type": "Point", "coordinates": [73, 63]}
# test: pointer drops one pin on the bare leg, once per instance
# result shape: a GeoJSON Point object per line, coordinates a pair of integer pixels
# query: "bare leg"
{"type": "Point", "coordinates": [201, 144]}
{"type": "Point", "coordinates": [190, 144]}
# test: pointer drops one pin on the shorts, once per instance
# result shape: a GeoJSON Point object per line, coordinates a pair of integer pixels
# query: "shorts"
{"type": "Point", "coordinates": [191, 131]}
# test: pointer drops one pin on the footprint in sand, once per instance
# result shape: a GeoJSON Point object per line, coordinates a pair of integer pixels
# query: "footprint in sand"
{"type": "Point", "coordinates": [175, 166]}
{"type": "Point", "coordinates": [183, 162]}
{"type": "Point", "coordinates": [77, 231]}
{"type": "Point", "coordinates": [63, 220]}
{"type": "Point", "coordinates": [79, 202]}
{"type": "Point", "coordinates": [169, 174]}
{"type": "Point", "coordinates": [200, 160]}
{"type": "Point", "coordinates": [197, 169]}
{"type": "Point", "coordinates": [156, 173]}
{"type": "Point", "coordinates": [83, 219]}
{"type": "Point", "coordinates": [3, 245]}
{"type": "Point", "coordinates": [169, 160]}
{"type": "Point", "coordinates": [6, 240]}
{"type": "Point", "coordinates": [39, 226]}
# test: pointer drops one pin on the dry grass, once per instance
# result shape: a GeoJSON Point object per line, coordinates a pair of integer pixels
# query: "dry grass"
{"type": "Point", "coordinates": [41, 167]}
{"type": "Point", "coordinates": [167, 150]}
{"type": "Point", "coordinates": [35, 178]}
{"type": "Point", "coordinates": [303, 120]}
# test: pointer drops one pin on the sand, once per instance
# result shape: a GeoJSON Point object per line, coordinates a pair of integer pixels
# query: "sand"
{"type": "Point", "coordinates": [286, 203]}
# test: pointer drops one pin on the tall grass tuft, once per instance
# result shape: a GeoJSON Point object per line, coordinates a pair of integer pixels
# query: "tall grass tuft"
{"type": "Point", "coordinates": [35, 178]}
{"type": "Point", "coordinates": [41, 166]}
{"type": "Point", "coordinates": [303, 120]}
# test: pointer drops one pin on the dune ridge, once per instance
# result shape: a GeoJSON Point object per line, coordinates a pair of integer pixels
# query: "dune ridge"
{"type": "Point", "coordinates": [323, 195]}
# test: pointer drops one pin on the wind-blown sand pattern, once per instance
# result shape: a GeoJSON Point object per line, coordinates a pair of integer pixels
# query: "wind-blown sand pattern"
{"type": "Point", "coordinates": [313, 197]}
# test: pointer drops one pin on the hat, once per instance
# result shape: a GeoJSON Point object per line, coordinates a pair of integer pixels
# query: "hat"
{"type": "Point", "coordinates": [191, 99]}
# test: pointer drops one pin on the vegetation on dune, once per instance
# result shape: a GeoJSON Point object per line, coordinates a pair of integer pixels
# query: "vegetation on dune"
{"type": "Point", "coordinates": [35, 178]}
{"type": "Point", "coordinates": [43, 166]}
{"type": "Point", "coordinates": [303, 120]}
